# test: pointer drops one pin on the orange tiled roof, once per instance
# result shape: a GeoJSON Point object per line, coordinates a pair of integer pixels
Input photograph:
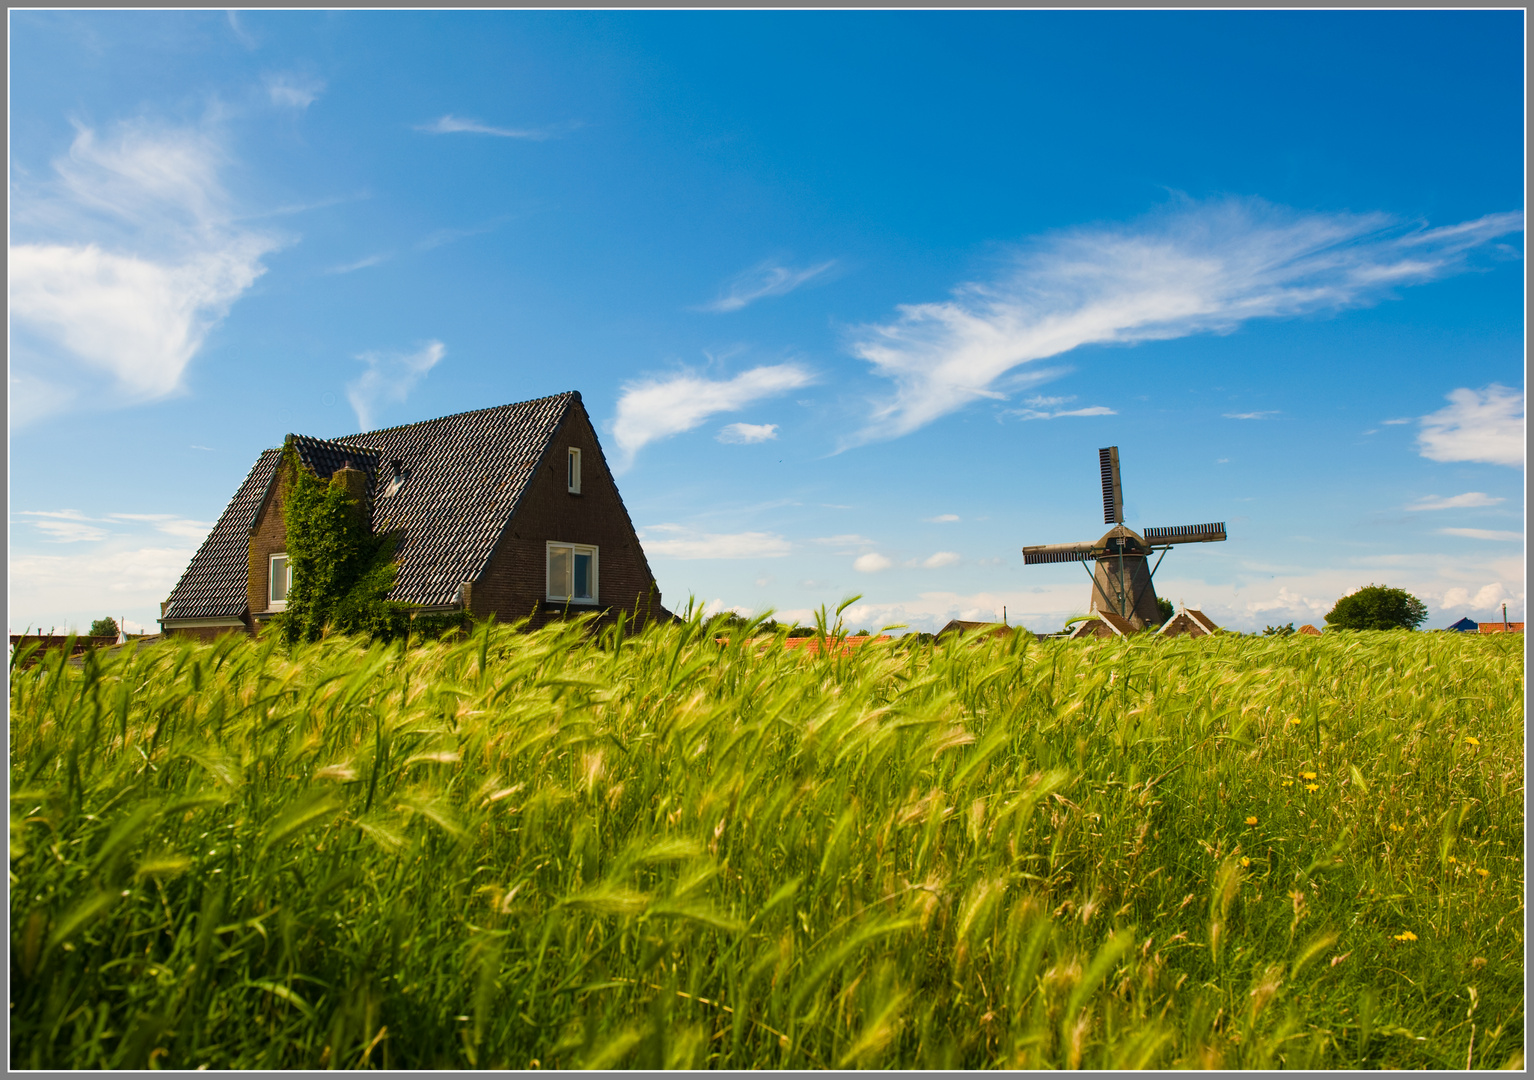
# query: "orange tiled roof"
{"type": "Point", "coordinates": [1500, 628]}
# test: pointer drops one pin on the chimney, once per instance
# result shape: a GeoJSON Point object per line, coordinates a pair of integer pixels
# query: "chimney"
{"type": "Point", "coordinates": [354, 482]}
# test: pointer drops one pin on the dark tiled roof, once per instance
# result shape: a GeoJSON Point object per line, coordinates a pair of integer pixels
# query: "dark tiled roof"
{"type": "Point", "coordinates": [463, 477]}
{"type": "Point", "coordinates": [325, 456]}
{"type": "Point", "coordinates": [214, 583]}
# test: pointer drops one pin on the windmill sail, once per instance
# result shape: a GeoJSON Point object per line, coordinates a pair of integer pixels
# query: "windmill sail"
{"type": "Point", "coordinates": [1113, 492]}
{"type": "Point", "coordinates": [1051, 553]}
{"type": "Point", "coordinates": [1187, 534]}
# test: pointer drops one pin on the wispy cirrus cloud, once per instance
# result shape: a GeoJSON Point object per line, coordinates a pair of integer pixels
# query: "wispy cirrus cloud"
{"type": "Point", "coordinates": [1048, 408]}
{"type": "Point", "coordinates": [72, 526]}
{"type": "Point", "coordinates": [361, 264]}
{"type": "Point", "coordinates": [1469, 500]}
{"type": "Point", "coordinates": [1478, 425]}
{"type": "Point", "coordinates": [1262, 415]}
{"type": "Point", "coordinates": [455, 125]}
{"type": "Point", "coordinates": [764, 279]}
{"type": "Point", "coordinates": [293, 90]}
{"type": "Point", "coordinates": [1193, 267]}
{"type": "Point", "coordinates": [679, 542]}
{"type": "Point", "coordinates": [389, 378]}
{"type": "Point", "coordinates": [1483, 534]}
{"type": "Point", "coordinates": [747, 433]}
{"type": "Point", "coordinates": [659, 407]}
{"type": "Point", "coordinates": [127, 258]}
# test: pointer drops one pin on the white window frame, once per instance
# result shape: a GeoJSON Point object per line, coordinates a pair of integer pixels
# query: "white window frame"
{"type": "Point", "coordinates": [574, 549]}
{"type": "Point", "coordinates": [573, 471]}
{"type": "Point", "coordinates": [271, 573]}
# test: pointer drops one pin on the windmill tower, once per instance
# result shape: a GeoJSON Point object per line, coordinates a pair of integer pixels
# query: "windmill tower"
{"type": "Point", "coordinates": [1122, 580]}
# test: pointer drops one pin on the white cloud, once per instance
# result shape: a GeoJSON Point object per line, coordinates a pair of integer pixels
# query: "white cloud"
{"type": "Point", "coordinates": [845, 543]}
{"type": "Point", "coordinates": [390, 377]}
{"type": "Point", "coordinates": [293, 90]}
{"type": "Point", "coordinates": [942, 558]}
{"type": "Point", "coordinates": [1401, 420]}
{"type": "Point", "coordinates": [659, 407]}
{"type": "Point", "coordinates": [452, 125]}
{"type": "Point", "coordinates": [1479, 425]}
{"type": "Point", "coordinates": [684, 544]}
{"type": "Point", "coordinates": [72, 590]}
{"type": "Point", "coordinates": [1466, 501]}
{"type": "Point", "coordinates": [360, 264]}
{"type": "Point", "coordinates": [1483, 534]}
{"type": "Point", "coordinates": [1487, 598]}
{"type": "Point", "coordinates": [135, 256]}
{"type": "Point", "coordinates": [1047, 408]}
{"type": "Point", "coordinates": [1252, 415]}
{"type": "Point", "coordinates": [1191, 268]}
{"type": "Point", "coordinates": [766, 279]}
{"type": "Point", "coordinates": [747, 433]}
{"type": "Point", "coordinates": [943, 517]}
{"type": "Point", "coordinates": [72, 526]}
{"type": "Point", "coordinates": [65, 526]}
{"type": "Point", "coordinates": [171, 525]}
{"type": "Point", "coordinates": [871, 563]}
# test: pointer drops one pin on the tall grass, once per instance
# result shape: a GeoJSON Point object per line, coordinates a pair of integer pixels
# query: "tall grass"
{"type": "Point", "coordinates": [556, 849]}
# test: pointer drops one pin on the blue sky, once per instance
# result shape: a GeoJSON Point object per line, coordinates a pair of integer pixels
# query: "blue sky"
{"type": "Point", "coordinates": [853, 297]}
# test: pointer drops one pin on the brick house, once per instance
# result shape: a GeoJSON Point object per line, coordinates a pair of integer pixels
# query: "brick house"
{"type": "Point", "coordinates": [509, 511]}
{"type": "Point", "coordinates": [1189, 621]}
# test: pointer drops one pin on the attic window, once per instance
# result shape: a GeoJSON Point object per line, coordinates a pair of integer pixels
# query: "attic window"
{"type": "Point", "coordinates": [396, 481]}
{"type": "Point", "coordinates": [572, 573]}
{"type": "Point", "coordinates": [573, 471]}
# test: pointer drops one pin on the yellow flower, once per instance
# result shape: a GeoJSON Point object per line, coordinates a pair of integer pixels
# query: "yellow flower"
{"type": "Point", "coordinates": [1245, 861]}
{"type": "Point", "coordinates": [1453, 859]}
{"type": "Point", "coordinates": [1406, 935]}
{"type": "Point", "coordinates": [1251, 821]}
{"type": "Point", "coordinates": [1294, 720]}
{"type": "Point", "coordinates": [1312, 787]}
{"type": "Point", "coordinates": [1288, 783]}
{"type": "Point", "coordinates": [1398, 828]}
{"type": "Point", "coordinates": [1483, 872]}
{"type": "Point", "coordinates": [1307, 776]}
{"type": "Point", "coordinates": [1472, 740]}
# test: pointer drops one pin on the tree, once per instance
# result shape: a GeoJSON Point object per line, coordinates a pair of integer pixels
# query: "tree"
{"type": "Point", "coordinates": [1164, 606]}
{"type": "Point", "coordinates": [1377, 607]}
{"type": "Point", "coordinates": [106, 627]}
{"type": "Point", "coordinates": [1279, 631]}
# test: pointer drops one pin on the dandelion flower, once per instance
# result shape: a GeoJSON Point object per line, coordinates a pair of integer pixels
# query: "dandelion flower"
{"type": "Point", "coordinates": [1251, 821]}
{"type": "Point", "coordinates": [1483, 871]}
{"type": "Point", "coordinates": [1406, 935]}
{"type": "Point", "coordinates": [1288, 783]}
{"type": "Point", "coordinates": [1453, 859]}
{"type": "Point", "coordinates": [1307, 776]}
{"type": "Point", "coordinates": [1294, 720]}
{"type": "Point", "coordinates": [1245, 861]}
{"type": "Point", "coordinates": [1398, 828]}
{"type": "Point", "coordinates": [1312, 787]}
{"type": "Point", "coordinates": [1472, 740]}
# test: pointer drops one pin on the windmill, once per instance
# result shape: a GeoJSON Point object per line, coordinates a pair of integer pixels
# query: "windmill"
{"type": "Point", "coordinates": [1121, 583]}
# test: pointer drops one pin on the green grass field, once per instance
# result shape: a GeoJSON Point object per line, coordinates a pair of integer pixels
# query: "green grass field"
{"type": "Point", "coordinates": [555, 850]}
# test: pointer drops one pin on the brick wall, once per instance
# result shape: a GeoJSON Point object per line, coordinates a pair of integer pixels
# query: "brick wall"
{"type": "Point", "coordinates": [514, 582]}
{"type": "Point", "coordinates": [270, 537]}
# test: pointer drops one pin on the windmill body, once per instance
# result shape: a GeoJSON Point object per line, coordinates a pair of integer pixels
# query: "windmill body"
{"type": "Point", "coordinates": [1123, 577]}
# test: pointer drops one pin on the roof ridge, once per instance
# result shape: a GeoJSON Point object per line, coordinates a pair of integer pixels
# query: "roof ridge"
{"type": "Point", "coordinates": [574, 394]}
